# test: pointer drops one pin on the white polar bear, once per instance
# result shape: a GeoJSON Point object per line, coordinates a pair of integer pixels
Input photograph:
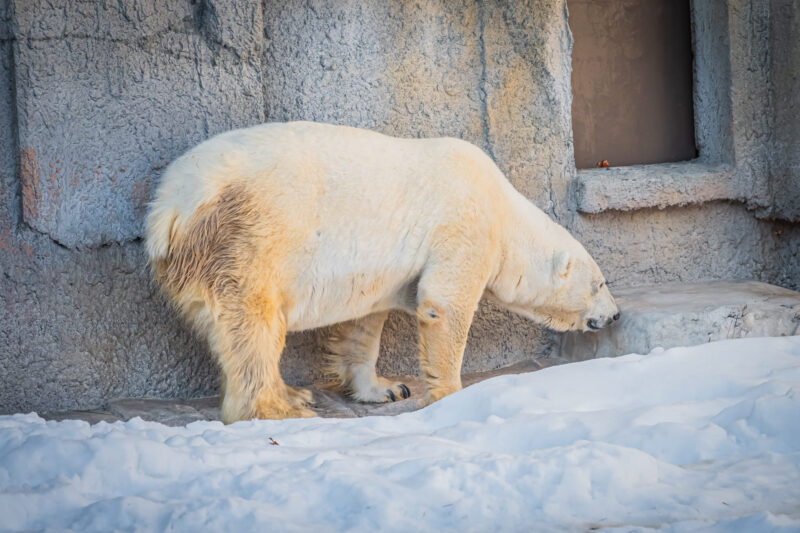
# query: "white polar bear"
{"type": "Point", "coordinates": [288, 227]}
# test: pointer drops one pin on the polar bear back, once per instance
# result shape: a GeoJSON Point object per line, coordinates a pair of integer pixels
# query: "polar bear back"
{"type": "Point", "coordinates": [358, 208]}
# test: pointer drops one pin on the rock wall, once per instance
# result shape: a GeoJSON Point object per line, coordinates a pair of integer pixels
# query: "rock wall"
{"type": "Point", "coordinates": [108, 93]}
{"type": "Point", "coordinates": [97, 97]}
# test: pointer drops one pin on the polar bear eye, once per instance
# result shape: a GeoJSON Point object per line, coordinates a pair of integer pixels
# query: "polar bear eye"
{"type": "Point", "coordinates": [597, 286]}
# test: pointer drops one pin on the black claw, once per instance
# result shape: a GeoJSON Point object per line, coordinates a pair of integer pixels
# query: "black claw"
{"type": "Point", "coordinates": [405, 391]}
{"type": "Point", "coordinates": [391, 395]}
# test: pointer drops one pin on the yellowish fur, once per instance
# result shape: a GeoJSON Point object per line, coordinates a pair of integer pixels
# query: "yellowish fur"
{"type": "Point", "coordinates": [285, 227]}
{"type": "Point", "coordinates": [352, 349]}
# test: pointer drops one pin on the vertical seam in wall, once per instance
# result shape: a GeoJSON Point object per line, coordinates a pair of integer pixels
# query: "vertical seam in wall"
{"type": "Point", "coordinates": [555, 210]}
{"type": "Point", "coordinates": [551, 200]}
{"type": "Point", "coordinates": [484, 94]}
{"type": "Point", "coordinates": [262, 60]}
{"type": "Point", "coordinates": [769, 104]}
{"type": "Point", "coordinates": [693, 29]}
{"type": "Point", "coordinates": [12, 89]}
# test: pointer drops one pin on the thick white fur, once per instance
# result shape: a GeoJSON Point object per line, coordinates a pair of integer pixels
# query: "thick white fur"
{"type": "Point", "coordinates": [365, 223]}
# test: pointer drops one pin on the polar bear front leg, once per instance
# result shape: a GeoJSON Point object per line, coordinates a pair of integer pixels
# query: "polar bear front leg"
{"type": "Point", "coordinates": [352, 350]}
{"type": "Point", "coordinates": [448, 296]}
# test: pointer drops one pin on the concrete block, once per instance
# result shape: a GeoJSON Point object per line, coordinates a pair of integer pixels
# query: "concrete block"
{"type": "Point", "coordinates": [641, 186]}
{"type": "Point", "coordinates": [401, 68]}
{"type": "Point", "coordinates": [687, 314]}
{"type": "Point", "coordinates": [109, 95]}
{"type": "Point", "coordinates": [527, 47]}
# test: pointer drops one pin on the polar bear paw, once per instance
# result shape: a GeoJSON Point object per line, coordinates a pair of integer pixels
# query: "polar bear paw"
{"type": "Point", "coordinates": [381, 391]}
{"type": "Point", "coordinates": [298, 397]}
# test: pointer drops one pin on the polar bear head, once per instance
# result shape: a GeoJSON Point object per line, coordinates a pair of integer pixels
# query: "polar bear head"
{"type": "Point", "coordinates": [578, 298]}
{"type": "Point", "coordinates": [555, 283]}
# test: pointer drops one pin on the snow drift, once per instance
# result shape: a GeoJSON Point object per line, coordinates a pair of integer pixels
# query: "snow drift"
{"type": "Point", "coordinates": [690, 439]}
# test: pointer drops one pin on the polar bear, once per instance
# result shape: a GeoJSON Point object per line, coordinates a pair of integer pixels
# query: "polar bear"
{"type": "Point", "coordinates": [293, 226]}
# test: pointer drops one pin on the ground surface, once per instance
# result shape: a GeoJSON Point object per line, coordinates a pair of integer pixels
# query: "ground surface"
{"type": "Point", "coordinates": [690, 439]}
{"type": "Point", "coordinates": [328, 401]}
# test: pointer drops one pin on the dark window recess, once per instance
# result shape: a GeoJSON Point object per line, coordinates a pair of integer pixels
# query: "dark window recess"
{"type": "Point", "coordinates": [631, 81]}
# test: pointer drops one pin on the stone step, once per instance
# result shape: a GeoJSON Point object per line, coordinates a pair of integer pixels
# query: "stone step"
{"type": "Point", "coordinates": [687, 314]}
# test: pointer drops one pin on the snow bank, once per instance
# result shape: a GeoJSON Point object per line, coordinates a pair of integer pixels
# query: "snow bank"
{"type": "Point", "coordinates": [690, 439]}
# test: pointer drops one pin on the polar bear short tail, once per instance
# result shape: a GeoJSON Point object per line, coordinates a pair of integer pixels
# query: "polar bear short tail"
{"type": "Point", "coordinates": [195, 178]}
{"type": "Point", "coordinates": [160, 228]}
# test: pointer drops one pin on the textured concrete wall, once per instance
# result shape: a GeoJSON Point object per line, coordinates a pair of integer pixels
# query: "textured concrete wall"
{"type": "Point", "coordinates": [96, 97]}
{"type": "Point", "coordinates": [76, 327]}
{"type": "Point", "coordinates": [402, 68]}
{"type": "Point", "coordinates": [109, 92]}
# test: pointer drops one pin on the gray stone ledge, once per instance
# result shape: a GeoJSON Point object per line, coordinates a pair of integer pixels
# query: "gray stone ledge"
{"type": "Point", "coordinates": [643, 186]}
{"type": "Point", "coordinates": [687, 314]}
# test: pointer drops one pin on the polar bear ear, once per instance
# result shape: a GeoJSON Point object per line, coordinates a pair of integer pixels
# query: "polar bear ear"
{"type": "Point", "coordinates": [562, 264]}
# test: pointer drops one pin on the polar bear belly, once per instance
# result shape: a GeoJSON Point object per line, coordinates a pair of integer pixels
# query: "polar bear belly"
{"type": "Point", "coordinates": [349, 276]}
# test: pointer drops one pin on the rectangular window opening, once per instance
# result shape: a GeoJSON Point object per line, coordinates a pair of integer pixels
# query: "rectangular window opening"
{"type": "Point", "coordinates": [631, 82]}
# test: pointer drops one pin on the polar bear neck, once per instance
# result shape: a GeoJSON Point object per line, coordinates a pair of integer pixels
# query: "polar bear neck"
{"type": "Point", "coordinates": [531, 238]}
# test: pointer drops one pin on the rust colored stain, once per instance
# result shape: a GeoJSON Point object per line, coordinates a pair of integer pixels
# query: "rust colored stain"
{"type": "Point", "coordinates": [31, 189]}
{"type": "Point", "coordinates": [9, 244]}
{"type": "Point", "coordinates": [140, 193]}
{"type": "Point", "coordinates": [5, 242]}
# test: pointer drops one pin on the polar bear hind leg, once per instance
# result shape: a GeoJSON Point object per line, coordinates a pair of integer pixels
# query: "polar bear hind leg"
{"type": "Point", "coordinates": [352, 350]}
{"type": "Point", "coordinates": [248, 339]}
{"type": "Point", "coordinates": [219, 270]}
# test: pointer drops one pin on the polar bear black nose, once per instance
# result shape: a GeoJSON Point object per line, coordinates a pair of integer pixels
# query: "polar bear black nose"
{"type": "Point", "coordinates": [595, 324]}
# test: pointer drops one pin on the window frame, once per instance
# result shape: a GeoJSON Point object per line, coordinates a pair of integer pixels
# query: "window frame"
{"type": "Point", "coordinates": [727, 89]}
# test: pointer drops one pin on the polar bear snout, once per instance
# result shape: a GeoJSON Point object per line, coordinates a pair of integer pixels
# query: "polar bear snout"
{"type": "Point", "coordinates": [594, 324]}
{"type": "Point", "coordinates": [603, 310]}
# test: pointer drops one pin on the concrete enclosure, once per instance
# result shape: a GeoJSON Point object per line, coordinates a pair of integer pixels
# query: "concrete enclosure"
{"type": "Point", "coordinates": [97, 97]}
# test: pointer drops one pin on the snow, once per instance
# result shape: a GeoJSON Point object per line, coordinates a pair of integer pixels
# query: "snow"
{"type": "Point", "coordinates": [689, 439]}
